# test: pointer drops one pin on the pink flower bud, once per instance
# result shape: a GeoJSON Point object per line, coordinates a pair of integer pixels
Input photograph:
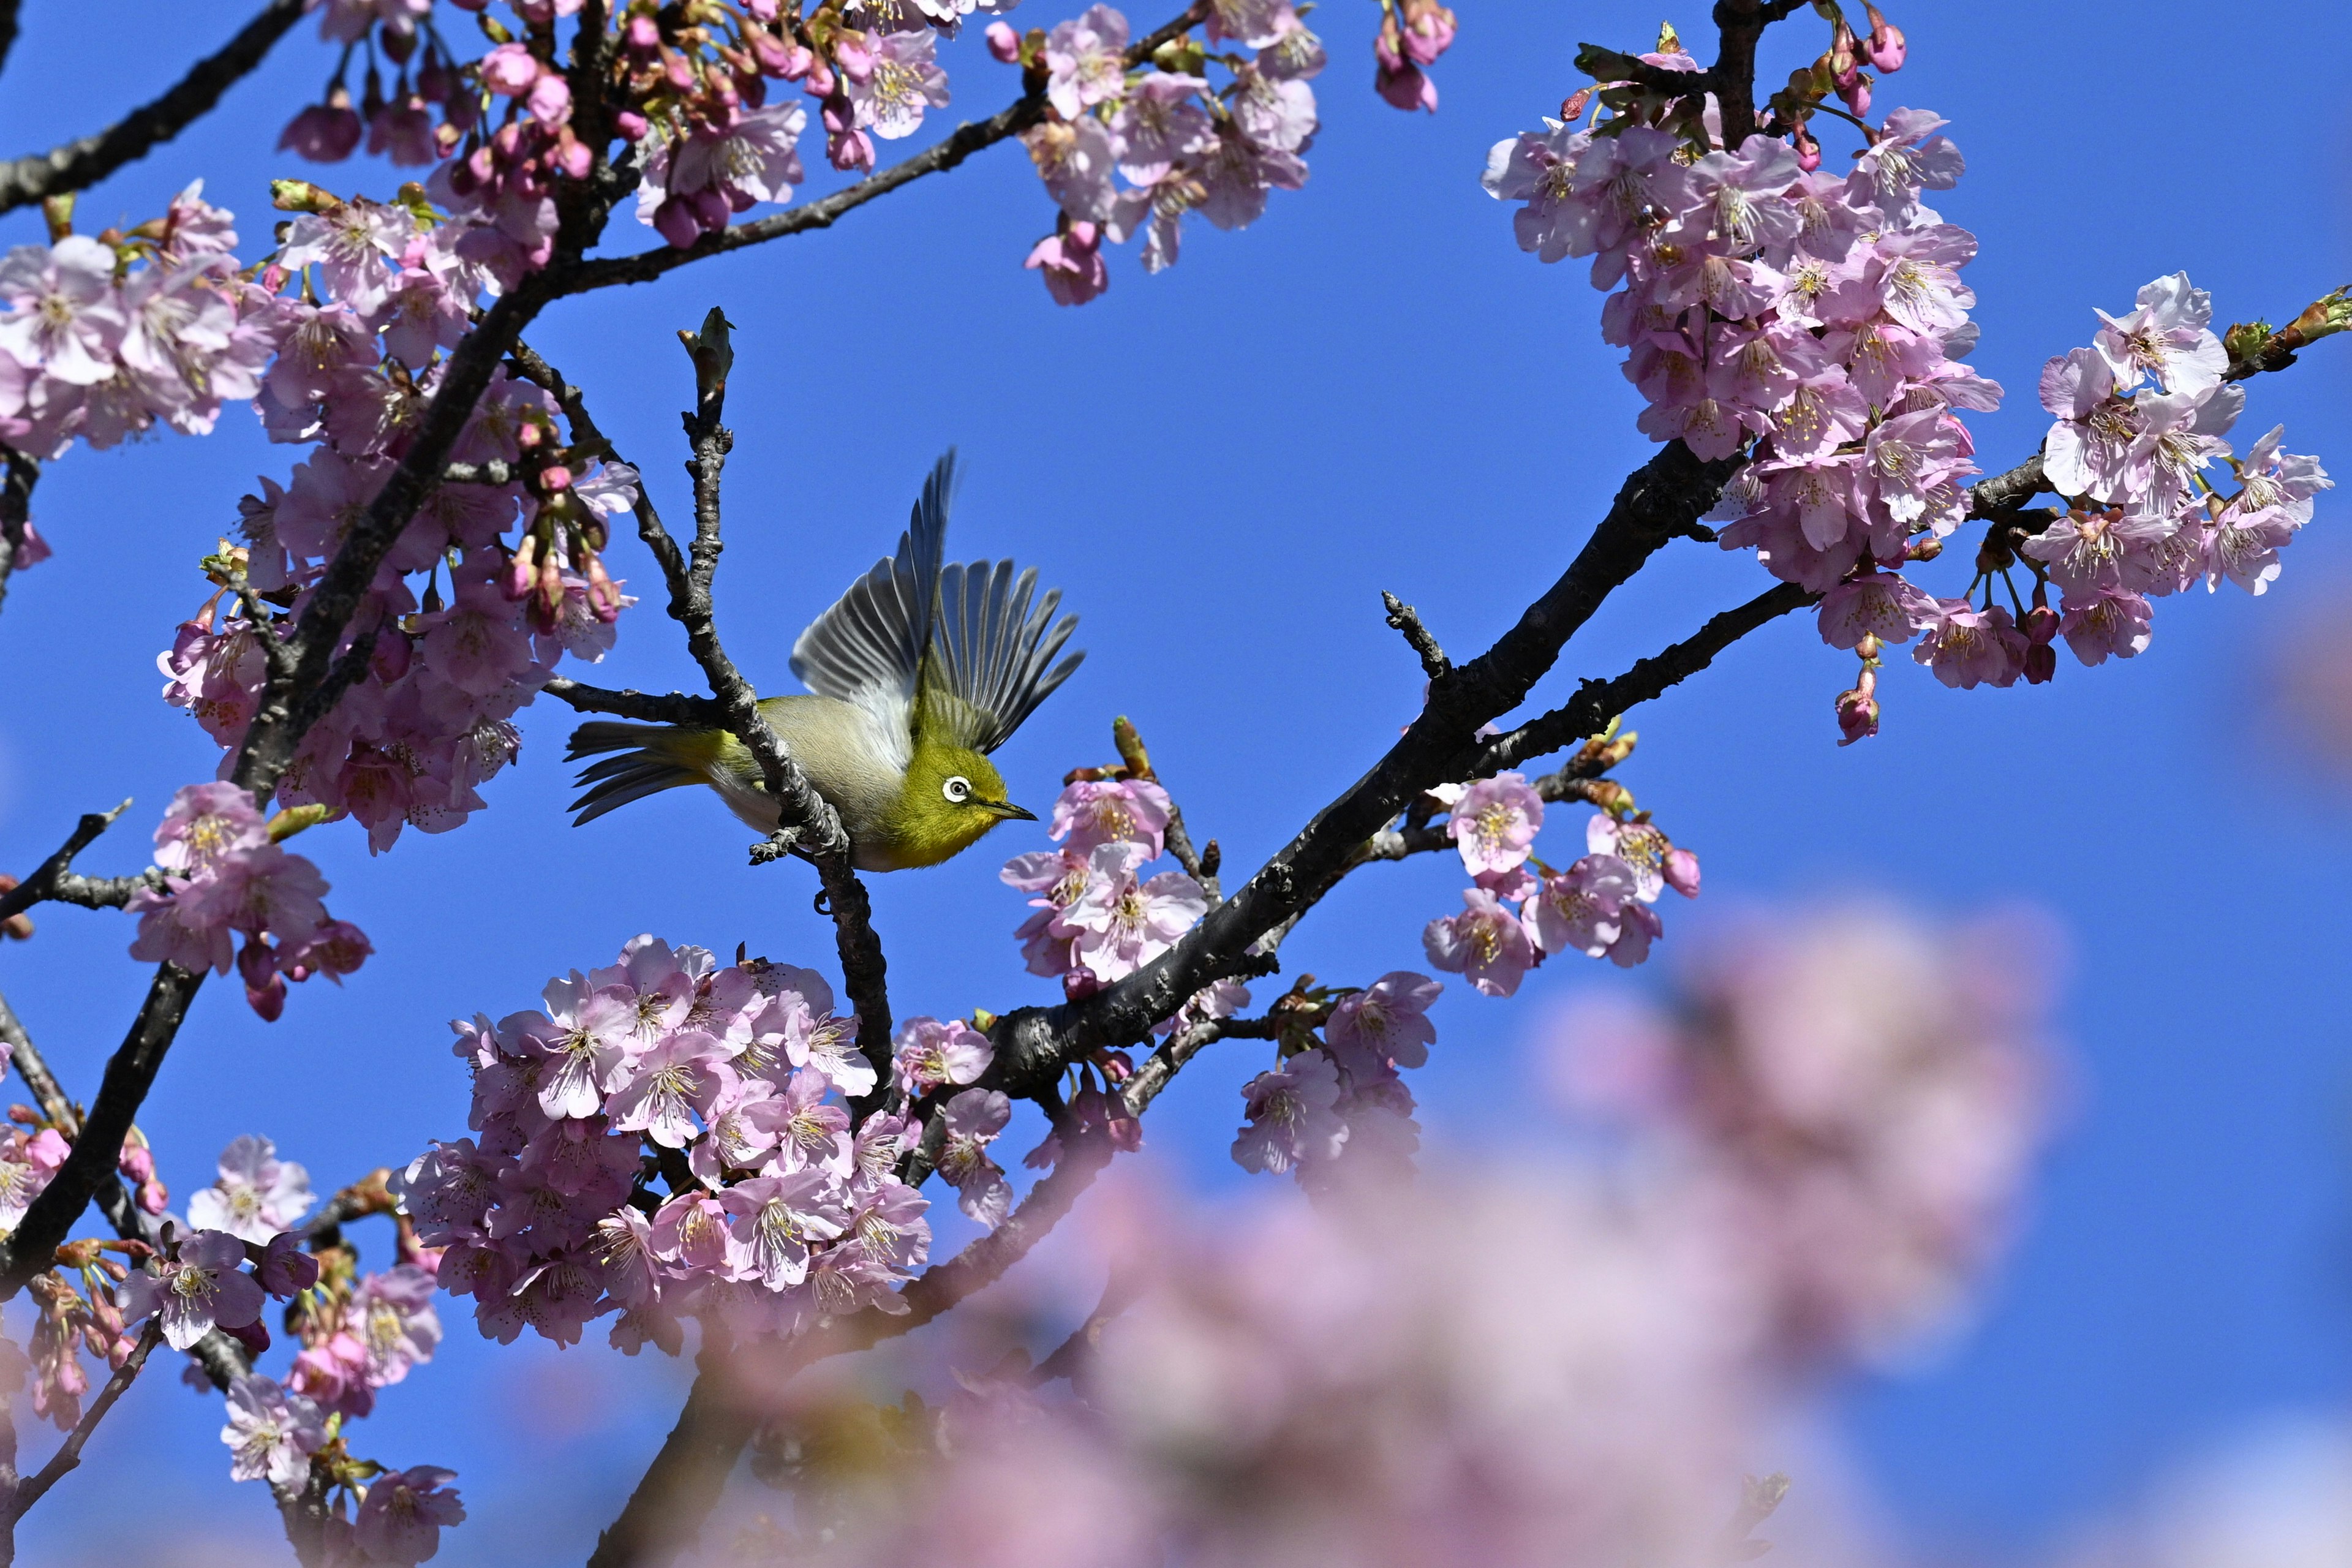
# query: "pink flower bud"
{"type": "Point", "coordinates": [856, 61]}
{"type": "Point", "coordinates": [1886, 47]}
{"type": "Point", "coordinates": [674, 221]}
{"type": "Point", "coordinates": [551, 100]}
{"type": "Point", "coordinates": [2041, 623]}
{"type": "Point", "coordinates": [324, 132]}
{"type": "Point", "coordinates": [1855, 91]}
{"type": "Point", "coordinates": [254, 1336]}
{"type": "Point", "coordinates": [762, 10]}
{"type": "Point", "coordinates": [643, 35]}
{"type": "Point", "coordinates": [2041, 664]}
{"type": "Point", "coordinates": [265, 988]}
{"type": "Point", "coordinates": [391, 656]}
{"type": "Point", "coordinates": [1428, 30]}
{"type": "Point", "coordinates": [678, 69]}
{"type": "Point", "coordinates": [153, 1197]}
{"type": "Point", "coordinates": [819, 82]}
{"type": "Point", "coordinates": [510, 69]}
{"type": "Point", "coordinates": [523, 568]}
{"type": "Point", "coordinates": [551, 590]}
{"type": "Point", "coordinates": [631, 125]}
{"type": "Point", "coordinates": [286, 1270]}
{"type": "Point", "coordinates": [553, 477]}
{"type": "Point", "coordinates": [572, 155]}
{"type": "Point", "coordinates": [1080, 984]}
{"type": "Point", "coordinates": [1681, 871]}
{"type": "Point", "coordinates": [137, 1160]}
{"type": "Point", "coordinates": [603, 593]}
{"type": "Point", "coordinates": [48, 1150]}
{"type": "Point", "coordinates": [1857, 716]}
{"type": "Point", "coordinates": [711, 207]}
{"type": "Point", "coordinates": [1003, 43]}
{"type": "Point", "coordinates": [1808, 151]}
{"type": "Point", "coordinates": [1572, 107]}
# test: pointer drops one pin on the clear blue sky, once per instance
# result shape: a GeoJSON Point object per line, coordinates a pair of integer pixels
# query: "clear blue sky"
{"type": "Point", "coordinates": [1224, 466]}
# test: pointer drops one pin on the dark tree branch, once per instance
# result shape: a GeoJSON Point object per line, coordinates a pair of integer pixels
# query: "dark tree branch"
{"type": "Point", "coordinates": [1407, 620]}
{"type": "Point", "coordinates": [69, 1454]}
{"type": "Point", "coordinates": [668, 708]}
{"type": "Point", "coordinates": [47, 1093]}
{"type": "Point", "coordinates": [1165, 1063]}
{"type": "Point", "coordinates": [76, 165]}
{"type": "Point", "coordinates": [8, 9]}
{"type": "Point", "coordinates": [50, 878]}
{"type": "Point", "coordinates": [493, 472]}
{"type": "Point", "coordinates": [958, 145]}
{"type": "Point", "coordinates": [1738, 24]}
{"type": "Point", "coordinates": [1598, 702]}
{"type": "Point", "coordinates": [1659, 502]}
{"type": "Point", "coordinates": [15, 509]}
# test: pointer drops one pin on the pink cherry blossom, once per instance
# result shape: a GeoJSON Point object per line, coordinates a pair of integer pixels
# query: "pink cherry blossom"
{"type": "Point", "coordinates": [256, 1196]}
{"type": "Point", "coordinates": [973, 1119]}
{"type": "Point", "coordinates": [199, 1287]}
{"type": "Point", "coordinates": [1494, 822]}
{"type": "Point", "coordinates": [930, 1052]}
{"type": "Point", "coordinates": [271, 1434]}
{"type": "Point", "coordinates": [1386, 1022]}
{"type": "Point", "coordinates": [1484, 943]}
{"type": "Point", "coordinates": [1091, 813]}
{"type": "Point", "coordinates": [1291, 1120]}
{"type": "Point", "coordinates": [402, 1518]}
{"type": "Point", "coordinates": [1967, 647]}
{"type": "Point", "coordinates": [1581, 909]}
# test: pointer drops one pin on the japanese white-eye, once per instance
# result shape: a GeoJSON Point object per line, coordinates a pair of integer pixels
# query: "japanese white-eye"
{"type": "Point", "coordinates": [917, 672]}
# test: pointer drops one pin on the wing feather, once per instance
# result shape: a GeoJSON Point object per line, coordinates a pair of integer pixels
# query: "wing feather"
{"type": "Point", "coordinates": [992, 654]}
{"type": "Point", "coordinates": [868, 647]}
{"type": "Point", "coordinates": [963, 637]}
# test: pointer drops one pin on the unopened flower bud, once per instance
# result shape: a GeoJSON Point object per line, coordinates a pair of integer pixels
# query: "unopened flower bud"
{"type": "Point", "coordinates": [1855, 91]}
{"type": "Point", "coordinates": [1681, 871]}
{"type": "Point", "coordinates": [643, 35]}
{"type": "Point", "coordinates": [556, 476]}
{"type": "Point", "coordinates": [524, 569]}
{"type": "Point", "coordinates": [631, 125]}
{"type": "Point", "coordinates": [855, 58]}
{"type": "Point", "coordinates": [1857, 716]}
{"type": "Point", "coordinates": [821, 83]}
{"type": "Point", "coordinates": [1079, 984]}
{"type": "Point", "coordinates": [1885, 47]}
{"type": "Point", "coordinates": [1003, 43]}
{"type": "Point", "coordinates": [252, 1336]}
{"type": "Point", "coordinates": [603, 593]}
{"type": "Point", "coordinates": [1572, 107]}
{"type": "Point", "coordinates": [1808, 151]}
{"type": "Point", "coordinates": [2041, 623]}
{"type": "Point", "coordinates": [551, 588]}
{"type": "Point", "coordinates": [2041, 664]}
{"type": "Point", "coordinates": [286, 1270]}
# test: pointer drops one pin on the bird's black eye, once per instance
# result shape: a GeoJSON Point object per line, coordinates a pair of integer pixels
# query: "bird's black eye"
{"type": "Point", "coordinates": [957, 789]}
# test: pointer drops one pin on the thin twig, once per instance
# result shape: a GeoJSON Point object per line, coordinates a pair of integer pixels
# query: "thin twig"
{"type": "Point", "coordinates": [78, 165]}
{"type": "Point", "coordinates": [69, 1454]}
{"type": "Point", "coordinates": [30, 1066]}
{"type": "Point", "coordinates": [1406, 619]}
{"type": "Point", "coordinates": [667, 707]}
{"type": "Point", "coordinates": [50, 874]}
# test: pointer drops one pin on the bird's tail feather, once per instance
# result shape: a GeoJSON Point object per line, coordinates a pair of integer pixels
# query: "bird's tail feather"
{"type": "Point", "coordinates": [651, 758]}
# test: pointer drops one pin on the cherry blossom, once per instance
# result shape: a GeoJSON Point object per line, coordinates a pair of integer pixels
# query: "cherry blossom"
{"type": "Point", "coordinates": [271, 1434]}
{"type": "Point", "coordinates": [256, 1196]}
{"type": "Point", "coordinates": [199, 1287]}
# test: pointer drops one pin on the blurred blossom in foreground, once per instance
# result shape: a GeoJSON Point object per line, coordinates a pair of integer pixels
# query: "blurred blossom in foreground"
{"type": "Point", "coordinates": [2309, 692]}
{"type": "Point", "coordinates": [1500, 1363]}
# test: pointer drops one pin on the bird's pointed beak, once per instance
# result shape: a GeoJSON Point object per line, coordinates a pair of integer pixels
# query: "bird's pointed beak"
{"type": "Point", "coordinates": [1011, 813]}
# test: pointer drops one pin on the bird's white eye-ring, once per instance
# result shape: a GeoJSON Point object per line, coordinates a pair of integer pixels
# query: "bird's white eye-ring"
{"type": "Point", "coordinates": [957, 789]}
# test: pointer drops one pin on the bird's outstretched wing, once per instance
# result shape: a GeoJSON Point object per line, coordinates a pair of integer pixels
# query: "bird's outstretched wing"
{"type": "Point", "coordinates": [992, 655]}
{"type": "Point", "coordinates": [963, 637]}
{"type": "Point", "coordinates": [868, 647]}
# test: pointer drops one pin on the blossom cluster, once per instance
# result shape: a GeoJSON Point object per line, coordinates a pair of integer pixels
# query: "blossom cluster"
{"type": "Point", "coordinates": [1336, 1108]}
{"type": "Point", "coordinates": [1816, 326]}
{"type": "Point", "coordinates": [427, 722]}
{"type": "Point", "coordinates": [225, 876]}
{"type": "Point", "coordinates": [101, 339]}
{"type": "Point", "coordinates": [1176, 142]}
{"type": "Point", "coordinates": [1601, 906]}
{"type": "Point", "coordinates": [2139, 416]}
{"type": "Point", "coordinates": [723, 1080]}
{"type": "Point", "coordinates": [1097, 919]}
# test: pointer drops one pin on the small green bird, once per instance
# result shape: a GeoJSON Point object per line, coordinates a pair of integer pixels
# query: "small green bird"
{"type": "Point", "coordinates": [920, 671]}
